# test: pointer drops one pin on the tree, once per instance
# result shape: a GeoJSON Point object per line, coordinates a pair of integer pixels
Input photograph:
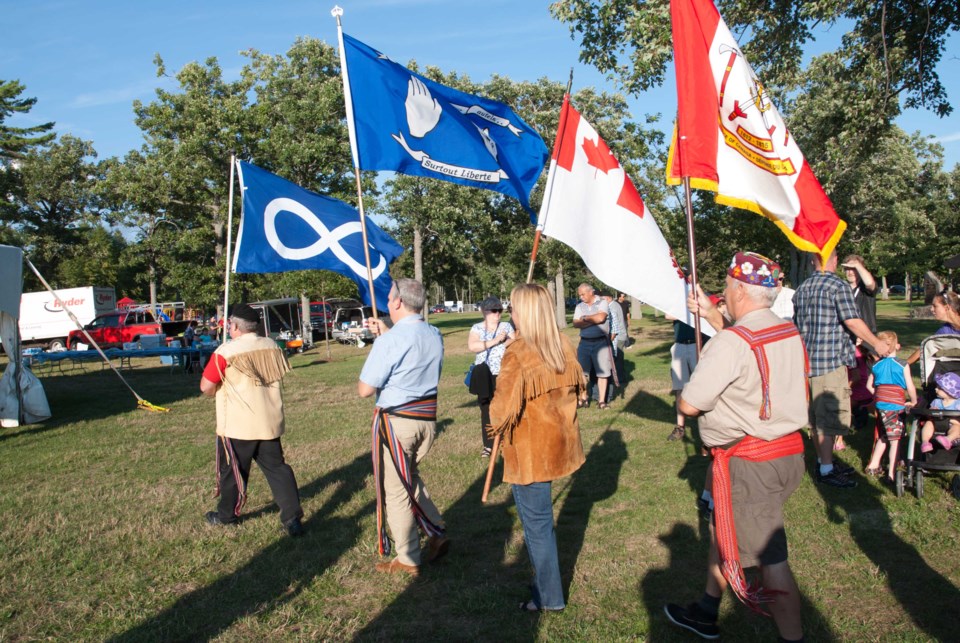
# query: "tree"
{"type": "Point", "coordinates": [57, 205]}
{"type": "Point", "coordinates": [633, 41]}
{"type": "Point", "coordinates": [14, 143]}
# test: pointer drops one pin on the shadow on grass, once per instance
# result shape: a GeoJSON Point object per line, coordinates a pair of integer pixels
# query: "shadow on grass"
{"type": "Point", "coordinates": [682, 582]}
{"type": "Point", "coordinates": [650, 407]}
{"type": "Point", "coordinates": [596, 480]}
{"type": "Point", "coordinates": [93, 395]}
{"type": "Point", "coordinates": [925, 594]}
{"type": "Point", "coordinates": [272, 577]}
{"type": "Point", "coordinates": [448, 600]}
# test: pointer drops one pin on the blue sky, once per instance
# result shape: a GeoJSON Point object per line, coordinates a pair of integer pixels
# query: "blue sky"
{"type": "Point", "coordinates": [86, 62]}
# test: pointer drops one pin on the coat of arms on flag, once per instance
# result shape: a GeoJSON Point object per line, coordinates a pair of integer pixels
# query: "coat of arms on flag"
{"type": "Point", "coordinates": [731, 139]}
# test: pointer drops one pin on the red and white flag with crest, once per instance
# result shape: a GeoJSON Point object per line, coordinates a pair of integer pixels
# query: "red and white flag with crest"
{"type": "Point", "coordinates": [591, 205]}
{"type": "Point", "coordinates": [731, 139]}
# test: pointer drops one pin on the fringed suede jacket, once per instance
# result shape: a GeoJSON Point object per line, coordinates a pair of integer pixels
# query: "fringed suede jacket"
{"type": "Point", "coordinates": [535, 412]}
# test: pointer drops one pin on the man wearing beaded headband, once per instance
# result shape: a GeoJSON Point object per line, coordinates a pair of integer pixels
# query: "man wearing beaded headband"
{"type": "Point", "coordinates": [750, 387]}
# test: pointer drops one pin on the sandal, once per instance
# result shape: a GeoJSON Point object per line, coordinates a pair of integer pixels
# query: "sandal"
{"type": "Point", "coordinates": [603, 406]}
{"type": "Point", "coordinates": [583, 404]}
{"type": "Point", "coordinates": [875, 472]}
{"type": "Point", "coordinates": [529, 606]}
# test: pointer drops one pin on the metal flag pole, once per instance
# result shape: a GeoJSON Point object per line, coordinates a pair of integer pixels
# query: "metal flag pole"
{"type": "Point", "coordinates": [336, 12]}
{"type": "Point", "coordinates": [547, 192]}
{"type": "Point", "coordinates": [226, 277]}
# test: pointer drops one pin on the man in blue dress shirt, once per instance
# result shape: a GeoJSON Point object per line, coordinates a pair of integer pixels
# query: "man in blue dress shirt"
{"type": "Point", "coordinates": [403, 371]}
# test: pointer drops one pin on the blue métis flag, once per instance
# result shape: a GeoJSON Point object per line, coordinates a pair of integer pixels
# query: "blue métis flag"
{"type": "Point", "coordinates": [285, 227]}
{"type": "Point", "coordinates": [406, 123]}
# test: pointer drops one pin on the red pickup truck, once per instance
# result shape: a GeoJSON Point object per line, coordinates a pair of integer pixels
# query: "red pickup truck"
{"type": "Point", "coordinates": [113, 330]}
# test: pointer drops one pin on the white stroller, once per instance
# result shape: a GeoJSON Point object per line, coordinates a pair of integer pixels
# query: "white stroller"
{"type": "Point", "coordinates": [938, 354]}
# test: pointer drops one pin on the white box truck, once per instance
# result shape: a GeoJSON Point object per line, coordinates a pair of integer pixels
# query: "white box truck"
{"type": "Point", "coordinates": [43, 322]}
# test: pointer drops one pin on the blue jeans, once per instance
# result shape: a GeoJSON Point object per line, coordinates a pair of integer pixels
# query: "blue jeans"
{"type": "Point", "coordinates": [535, 508]}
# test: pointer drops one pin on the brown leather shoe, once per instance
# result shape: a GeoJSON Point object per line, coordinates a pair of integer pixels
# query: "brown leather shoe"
{"type": "Point", "coordinates": [437, 548]}
{"type": "Point", "coordinates": [396, 567]}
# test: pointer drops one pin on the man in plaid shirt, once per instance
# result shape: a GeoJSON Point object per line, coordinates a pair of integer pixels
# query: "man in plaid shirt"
{"type": "Point", "coordinates": [824, 313]}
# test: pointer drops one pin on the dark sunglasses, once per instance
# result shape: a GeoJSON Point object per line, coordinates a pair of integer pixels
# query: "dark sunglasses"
{"type": "Point", "coordinates": [495, 310]}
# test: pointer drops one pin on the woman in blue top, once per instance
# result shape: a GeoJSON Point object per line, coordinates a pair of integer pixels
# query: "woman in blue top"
{"type": "Point", "coordinates": [488, 339]}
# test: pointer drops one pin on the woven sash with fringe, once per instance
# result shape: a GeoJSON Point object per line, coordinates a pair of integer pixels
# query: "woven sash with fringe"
{"type": "Point", "coordinates": [757, 339]}
{"type": "Point", "coordinates": [753, 450]}
{"type": "Point", "coordinates": [384, 439]}
{"type": "Point", "coordinates": [891, 394]}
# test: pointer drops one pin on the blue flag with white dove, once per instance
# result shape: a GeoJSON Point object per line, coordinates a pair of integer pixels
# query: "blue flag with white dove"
{"type": "Point", "coordinates": [285, 227]}
{"type": "Point", "coordinates": [412, 125]}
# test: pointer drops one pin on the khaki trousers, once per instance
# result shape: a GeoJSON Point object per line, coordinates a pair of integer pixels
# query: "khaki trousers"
{"type": "Point", "coordinates": [416, 438]}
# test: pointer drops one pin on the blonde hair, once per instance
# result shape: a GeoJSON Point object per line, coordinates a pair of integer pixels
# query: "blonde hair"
{"type": "Point", "coordinates": [888, 336]}
{"type": "Point", "coordinates": [532, 311]}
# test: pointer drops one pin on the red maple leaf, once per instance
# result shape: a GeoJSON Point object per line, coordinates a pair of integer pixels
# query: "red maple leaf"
{"type": "Point", "coordinates": [599, 155]}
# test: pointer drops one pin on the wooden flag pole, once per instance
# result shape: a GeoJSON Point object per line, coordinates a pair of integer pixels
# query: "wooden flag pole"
{"type": "Point", "coordinates": [546, 192]}
{"type": "Point", "coordinates": [533, 259]}
{"type": "Point", "coordinates": [336, 12]}
{"type": "Point", "coordinates": [692, 252]}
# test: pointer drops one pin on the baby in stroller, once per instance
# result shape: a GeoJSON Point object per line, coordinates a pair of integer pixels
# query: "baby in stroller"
{"type": "Point", "coordinates": [948, 399]}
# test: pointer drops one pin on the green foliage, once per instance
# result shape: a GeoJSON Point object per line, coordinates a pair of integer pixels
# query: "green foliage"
{"type": "Point", "coordinates": [14, 141]}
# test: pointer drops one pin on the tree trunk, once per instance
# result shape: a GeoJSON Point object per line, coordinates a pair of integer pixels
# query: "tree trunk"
{"type": "Point", "coordinates": [153, 285]}
{"type": "Point", "coordinates": [884, 292]}
{"type": "Point", "coordinates": [636, 312]}
{"type": "Point", "coordinates": [908, 295]}
{"type": "Point", "coordinates": [306, 334]}
{"type": "Point", "coordinates": [418, 266]}
{"type": "Point", "coordinates": [560, 298]}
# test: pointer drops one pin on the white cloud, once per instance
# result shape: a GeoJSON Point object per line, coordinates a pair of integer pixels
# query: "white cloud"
{"type": "Point", "coordinates": [119, 95]}
{"type": "Point", "coordinates": [947, 138]}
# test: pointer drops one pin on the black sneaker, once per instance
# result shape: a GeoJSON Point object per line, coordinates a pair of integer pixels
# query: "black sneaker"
{"type": "Point", "coordinates": [836, 479]}
{"type": "Point", "coordinates": [213, 518]}
{"type": "Point", "coordinates": [694, 619]}
{"type": "Point", "coordinates": [842, 468]}
{"type": "Point", "coordinates": [294, 528]}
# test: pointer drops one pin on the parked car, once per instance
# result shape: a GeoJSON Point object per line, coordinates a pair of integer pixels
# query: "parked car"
{"type": "Point", "coordinates": [348, 327]}
{"type": "Point", "coordinates": [320, 310]}
{"type": "Point", "coordinates": [897, 290]}
{"type": "Point", "coordinates": [439, 308]}
{"type": "Point", "coordinates": [114, 329]}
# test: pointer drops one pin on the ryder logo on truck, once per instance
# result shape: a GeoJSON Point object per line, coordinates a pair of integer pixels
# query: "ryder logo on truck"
{"type": "Point", "coordinates": [57, 305]}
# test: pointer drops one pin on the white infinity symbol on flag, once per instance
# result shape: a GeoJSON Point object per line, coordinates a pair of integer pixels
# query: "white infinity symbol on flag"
{"type": "Point", "coordinates": [327, 238]}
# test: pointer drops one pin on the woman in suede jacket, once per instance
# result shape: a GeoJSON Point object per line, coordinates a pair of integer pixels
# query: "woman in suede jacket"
{"type": "Point", "coordinates": [534, 411]}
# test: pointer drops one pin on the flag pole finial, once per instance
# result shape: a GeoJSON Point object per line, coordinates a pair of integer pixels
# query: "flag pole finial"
{"type": "Point", "coordinates": [336, 12]}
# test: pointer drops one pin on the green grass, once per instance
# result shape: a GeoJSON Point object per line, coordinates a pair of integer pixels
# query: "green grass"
{"type": "Point", "coordinates": [102, 536]}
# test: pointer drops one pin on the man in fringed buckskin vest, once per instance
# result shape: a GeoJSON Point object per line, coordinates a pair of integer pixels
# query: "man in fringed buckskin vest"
{"type": "Point", "coordinates": [244, 375]}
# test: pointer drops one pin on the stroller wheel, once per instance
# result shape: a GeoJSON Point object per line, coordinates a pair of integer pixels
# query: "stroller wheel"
{"type": "Point", "coordinates": [919, 483]}
{"type": "Point", "coordinates": [955, 486]}
{"type": "Point", "coordinates": [898, 483]}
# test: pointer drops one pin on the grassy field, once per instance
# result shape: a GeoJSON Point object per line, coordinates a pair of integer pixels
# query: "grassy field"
{"type": "Point", "coordinates": [102, 536]}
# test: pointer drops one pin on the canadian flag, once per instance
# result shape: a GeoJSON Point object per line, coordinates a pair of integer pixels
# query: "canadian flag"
{"type": "Point", "coordinates": [730, 138]}
{"type": "Point", "coordinates": [591, 205]}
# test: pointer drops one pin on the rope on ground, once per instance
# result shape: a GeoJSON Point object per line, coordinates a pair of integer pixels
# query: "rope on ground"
{"type": "Point", "coordinates": [141, 403]}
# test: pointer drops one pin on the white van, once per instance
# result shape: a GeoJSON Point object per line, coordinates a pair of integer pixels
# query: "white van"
{"type": "Point", "coordinates": [43, 321]}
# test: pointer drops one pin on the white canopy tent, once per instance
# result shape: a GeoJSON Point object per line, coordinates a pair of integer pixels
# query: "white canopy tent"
{"type": "Point", "coordinates": [22, 399]}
